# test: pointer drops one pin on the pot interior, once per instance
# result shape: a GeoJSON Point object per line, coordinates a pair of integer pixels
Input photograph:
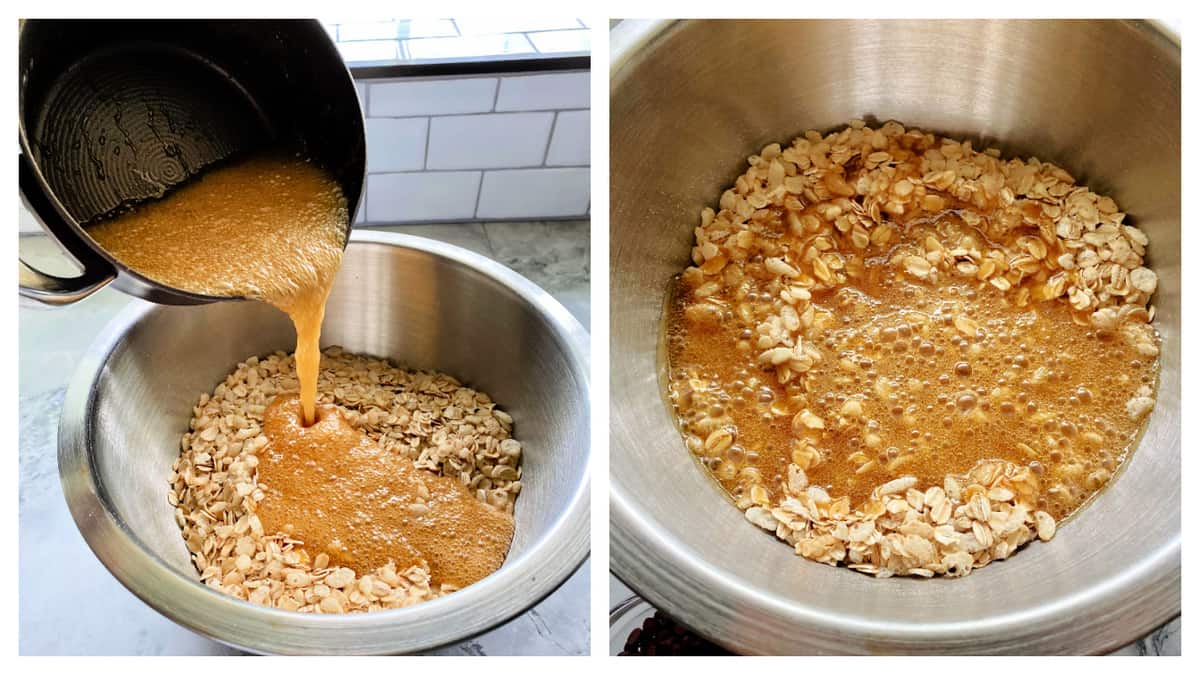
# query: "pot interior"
{"type": "Point", "coordinates": [1099, 98]}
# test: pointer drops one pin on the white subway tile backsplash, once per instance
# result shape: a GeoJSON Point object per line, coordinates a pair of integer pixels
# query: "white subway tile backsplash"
{"type": "Point", "coordinates": [369, 50]}
{"type": "Point", "coordinates": [368, 30]}
{"type": "Point", "coordinates": [571, 144]}
{"type": "Point", "coordinates": [470, 46]}
{"type": "Point", "coordinates": [488, 141]}
{"type": "Point", "coordinates": [489, 25]}
{"type": "Point", "coordinates": [544, 92]}
{"type": "Point", "coordinates": [559, 41]}
{"type": "Point", "coordinates": [439, 195]}
{"type": "Point", "coordinates": [396, 144]}
{"type": "Point", "coordinates": [478, 38]}
{"type": "Point", "coordinates": [432, 97]}
{"type": "Point", "coordinates": [534, 193]}
{"type": "Point", "coordinates": [422, 28]}
{"type": "Point", "coordinates": [477, 148]}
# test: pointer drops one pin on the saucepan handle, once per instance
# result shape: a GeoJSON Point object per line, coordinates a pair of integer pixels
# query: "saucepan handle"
{"type": "Point", "coordinates": [39, 288]}
{"type": "Point", "coordinates": [46, 289]}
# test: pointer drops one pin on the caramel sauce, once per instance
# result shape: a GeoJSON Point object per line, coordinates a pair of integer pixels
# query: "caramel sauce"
{"type": "Point", "coordinates": [1035, 387]}
{"type": "Point", "coordinates": [341, 493]}
{"type": "Point", "coordinates": [269, 228]}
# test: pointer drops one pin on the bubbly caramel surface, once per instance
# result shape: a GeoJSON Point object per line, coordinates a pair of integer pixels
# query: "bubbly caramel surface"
{"type": "Point", "coordinates": [902, 388]}
{"type": "Point", "coordinates": [340, 493]}
{"type": "Point", "coordinates": [269, 227]}
{"type": "Point", "coordinates": [908, 356]}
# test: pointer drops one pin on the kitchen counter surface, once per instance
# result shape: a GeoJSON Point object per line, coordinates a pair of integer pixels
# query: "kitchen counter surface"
{"type": "Point", "coordinates": [70, 604]}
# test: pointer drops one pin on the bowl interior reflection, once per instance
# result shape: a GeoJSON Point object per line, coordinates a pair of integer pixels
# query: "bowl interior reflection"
{"type": "Point", "coordinates": [422, 305]}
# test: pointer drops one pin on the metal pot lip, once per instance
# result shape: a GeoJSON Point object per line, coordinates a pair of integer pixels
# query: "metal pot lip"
{"type": "Point", "coordinates": [631, 37]}
{"type": "Point", "coordinates": [650, 559]}
{"type": "Point", "coordinates": [518, 585]}
{"type": "Point", "coordinates": [643, 553]}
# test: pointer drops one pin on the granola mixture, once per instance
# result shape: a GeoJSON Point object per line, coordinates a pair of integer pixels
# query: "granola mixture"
{"type": "Point", "coordinates": [906, 356]}
{"type": "Point", "coordinates": [429, 418]}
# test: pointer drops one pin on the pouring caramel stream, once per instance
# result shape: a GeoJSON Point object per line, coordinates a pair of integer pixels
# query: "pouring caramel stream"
{"type": "Point", "coordinates": [269, 228]}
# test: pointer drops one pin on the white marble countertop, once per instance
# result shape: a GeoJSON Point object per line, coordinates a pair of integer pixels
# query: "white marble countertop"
{"type": "Point", "coordinates": [70, 604]}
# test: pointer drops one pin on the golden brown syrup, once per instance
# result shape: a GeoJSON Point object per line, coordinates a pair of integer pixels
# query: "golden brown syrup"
{"type": "Point", "coordinates": [269, 227]}
{"type": "Point", "coordinates": [1033, 386]}
{"type": "Point", "coordinates": [341, 493]}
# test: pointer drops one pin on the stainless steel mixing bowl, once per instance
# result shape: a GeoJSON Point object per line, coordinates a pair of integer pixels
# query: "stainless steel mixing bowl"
{"type": "Point", "coordinates": [690, 100]}
{"type": "Point", "coordinates": [423, 304]}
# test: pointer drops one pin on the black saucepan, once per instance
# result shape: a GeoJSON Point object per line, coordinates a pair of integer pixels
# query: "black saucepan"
{"type": "Point", "coordinates": [116, 112]}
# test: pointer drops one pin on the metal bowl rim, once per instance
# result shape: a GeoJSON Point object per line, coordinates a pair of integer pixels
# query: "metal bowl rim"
{"type": "Point", "coordinates": [642, 552]}
{"type": "Point", "coordinates": [532, 577]}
